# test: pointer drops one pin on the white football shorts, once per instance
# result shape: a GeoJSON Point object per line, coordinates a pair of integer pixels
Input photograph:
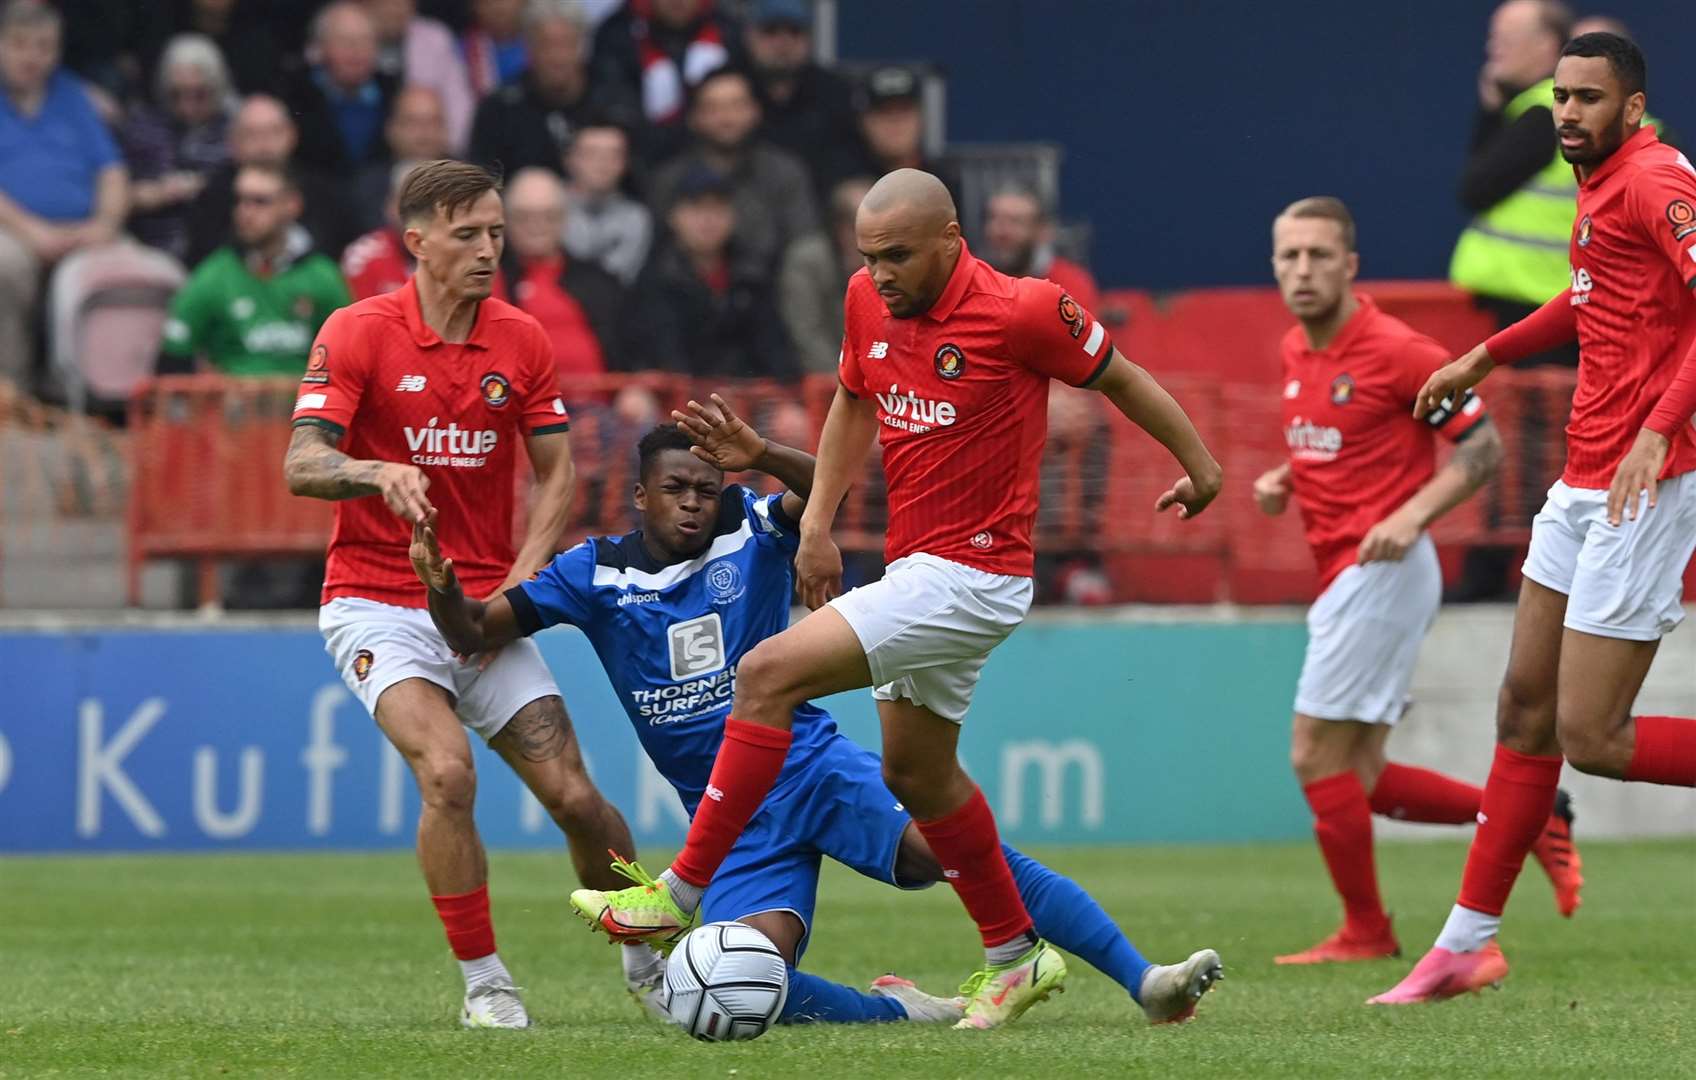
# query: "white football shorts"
{"type": "Point", "coordinates": [1363, 638]}
{"type": "Point", "coordinates": [376, 645]}
{"type": "Point", "coordinates": [928, 626]}
{"type": "Point", "coordinates": [1623, 582]}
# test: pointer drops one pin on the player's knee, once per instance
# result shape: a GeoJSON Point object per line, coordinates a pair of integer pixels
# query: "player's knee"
{"type": "Point", "coordinates": [1523, 709]}
{"type": "Point", "coordinates": [762, 678]}
{"type": "Point", "coordinates": [574, 802]}
{"type": "Point", "coordinates": [1585, 742]}
{"type": "Point", "coordinates": [447, 783]}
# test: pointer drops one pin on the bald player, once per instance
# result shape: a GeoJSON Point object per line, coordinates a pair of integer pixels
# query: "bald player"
{"type": "Point", "coordinates": [947, 363]}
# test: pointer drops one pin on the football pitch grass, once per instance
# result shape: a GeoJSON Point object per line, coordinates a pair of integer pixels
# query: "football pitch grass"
{"type": "Point", "coordinates": [334, 965]}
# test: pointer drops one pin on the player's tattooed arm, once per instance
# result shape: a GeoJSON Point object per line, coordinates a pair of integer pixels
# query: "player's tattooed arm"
{"type": "Point", "coordinates": [315, 468]}
{"type": "Point", "coordinates": [1475, 462]}
{"type": "Point", "coordinates": [1479, 455]}
{"type": "Point", "coordinates": [468, 626]}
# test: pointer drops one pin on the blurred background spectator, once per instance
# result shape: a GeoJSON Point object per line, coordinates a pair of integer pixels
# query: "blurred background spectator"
{"type": "Point", "coordinates": [892, 120]}
{"type": "Point", "coordinates": [420, 51]}
{"type": "Point", "coordinates": [1018, 239]}
{"type": "Point", "coordinates": [494, 44]}
{"type": "Point", "coordinates": [174, 144]}
{"type": "Point", "coordinates": [416, 131]}
{"type": "Point", "coordinates": [248, 40]}
{"type": "Point", "coordinates": [650, 53]}
{"type": "Point", "coordinates": [814, 278]}
{"type": "Point", "coordinates": [339, 98]}
{"type": "Point", "coordinates": [808, 110]}
{"type": "Point", "coordinates": [705, 307]}
{"type": "Point", "coordinates": [64, 191]}
{"type": "Point", "coordinates": [263, 134]}
{"type": "Point", "coordinates": [254, 306]}
{"type": "Point", "coordinates": [602, 224]}
{"type": "Point", "coordinates": [531, 121]}
{"type": "Point", "coordinates": [581, 306]}
{"type": "Point", "coordinates": [378, 262]}
{"type": "Point", "coordinates": [770, 188]}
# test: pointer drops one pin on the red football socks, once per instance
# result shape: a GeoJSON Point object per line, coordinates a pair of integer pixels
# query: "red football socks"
{"type": "Point", "coordinates": [967, 845]}
{"type": "Point", "coordinates": [1342, 822]}
{"type": "Point", "coordinates": [1518, 799]}
{"type": "Point", "coordinates": [749, 759]}
{"type": "Point", "coordinates": [1665, 752]}
{"type": "Point", "coordinates": [1410, 794]}
{"type": "Point", "coordinates": [466, 919]}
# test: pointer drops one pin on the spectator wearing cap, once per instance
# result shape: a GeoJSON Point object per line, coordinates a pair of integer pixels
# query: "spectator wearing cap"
{"type": "Point", "coordinates": [770, 187]}
{"type": "Point", "coordinates": [341, 99]}
{"type": "Point", "coordinates": [893, 123]}
{"type": "Point", "coordinates": [602, 224]}
{"type": "Point", "coordinates": [815, 274]}
{"type": "Point", "coordinates": [807, 109]}
{"type": "Point", "coordinates": [530, 122]}
{"type": "Point", "coordinates": [420, 51]}
{"type": "Point", "coordinates": [416, 131]}
{"type": "Point", "coordinates": [172, 147]}
{"type": "Point", "coordinates": [649, 55]}
{"type": "Point", "coordinates": [263, 134]}
{"type": "Point", "coordinates": [703, 307]}
{"type": "Point", "coordinates": [580, 306]}
{"type": "Point", "coordinates": [64, 190]}
{"type": "Point", "coordinates": [1018, 236]}
{"type": "Point", "coordinates": [495, 49]}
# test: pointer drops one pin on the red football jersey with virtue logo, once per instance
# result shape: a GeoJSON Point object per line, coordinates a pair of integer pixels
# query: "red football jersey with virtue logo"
{"type": "Point", "coordinates": [1633, 253]}
{"type": "Point", "coordinates": [1356, 451]}
{"type": "Point", "coordinates": [962, 406]}
{"type": "Point", "coordinates": [385, 382]}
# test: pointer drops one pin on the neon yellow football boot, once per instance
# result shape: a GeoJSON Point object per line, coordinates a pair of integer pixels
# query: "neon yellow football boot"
{"type": "Point", "coordinates": [643, 912]}
{"type": "Point", "coordinates": [1000, 995]}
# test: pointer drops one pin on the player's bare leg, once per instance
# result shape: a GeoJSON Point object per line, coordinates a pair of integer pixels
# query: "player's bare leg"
{"type": "Point", "coordinates": [922, 768]}
{"type": "Point", "coordinates": [818, 656]}
{"type": "Point", "coordinates": [541, 747]}
{"type": "Point", "coordinates": [1599, 680]}
{"type": "Point", "coordinates": [418, 718]}
{"type": "Point", "coordinates": [1518, 801]}
{"type": "Point", "coordinates": [1338, 763]}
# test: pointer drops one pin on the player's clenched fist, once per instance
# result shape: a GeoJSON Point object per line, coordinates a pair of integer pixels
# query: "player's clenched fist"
{"type": "Point", "coordinates": [403, 487]}
{"type": "Point", "coordinates": [1190, 495]}
{"type": "Point", "coordinates": [427, 561]}
{"type": "Point", "coordinates": [818, 570]}
{"type": "Point", "coordinates": [1272, 490]}
{"type": "Point", "coordinates": [1452, 380]}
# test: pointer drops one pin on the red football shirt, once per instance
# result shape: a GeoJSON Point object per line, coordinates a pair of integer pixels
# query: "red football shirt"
{"type": "Point", "coordinates": [962, 403]}
{"type": "Point", "coordinates": [380, 377]}
{"type": "Point", "coordinates": [1356, 451]}
{"type": "Point", "coordinates": [1633, 254]}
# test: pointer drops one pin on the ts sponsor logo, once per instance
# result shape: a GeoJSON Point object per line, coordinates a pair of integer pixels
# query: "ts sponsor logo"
{"type": "Point", "coordinates": [910, 412]}
{"type": "Point", "coordinates": [411, 384]}
{"type": "Point", "coordinates": [1312, 442]}
{"type": "Point", "coordinates": [697, 646]}
{"type": "Point", "coordinates": [878, 351]}
{"type": "Point", "coordinates": [453, 446]}
{"type": "Point", "coordinates": [1582, 283]}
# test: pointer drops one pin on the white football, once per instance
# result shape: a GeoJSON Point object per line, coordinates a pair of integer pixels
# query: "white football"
{"type": "Point", "coordinates": [725, 981]}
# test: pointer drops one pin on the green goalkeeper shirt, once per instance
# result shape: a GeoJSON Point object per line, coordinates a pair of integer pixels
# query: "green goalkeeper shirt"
{"type": "Point", "coordinates": [248, 324]}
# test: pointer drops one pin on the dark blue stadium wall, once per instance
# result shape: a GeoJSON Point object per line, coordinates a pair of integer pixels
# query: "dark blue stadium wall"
{"type": "Point", "coordinates": [1187, 125]}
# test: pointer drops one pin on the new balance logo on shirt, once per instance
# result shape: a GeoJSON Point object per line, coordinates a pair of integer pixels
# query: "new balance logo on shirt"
{"type": "Point", "coordinates": [878, 351]}
{"type": "Point", "coordinates": [411, 384]}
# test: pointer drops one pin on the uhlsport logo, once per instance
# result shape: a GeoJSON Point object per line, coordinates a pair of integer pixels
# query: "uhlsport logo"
{"type": "Point", "coordinates": [454, 446]}
{"type": "Point", "coordinates": [724, 582]}
{"type": "Point", "coordinates": [496, 389]}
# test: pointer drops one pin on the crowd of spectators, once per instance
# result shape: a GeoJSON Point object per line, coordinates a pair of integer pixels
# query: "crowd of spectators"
{"type": "Point", "coordinates": [681, 175]}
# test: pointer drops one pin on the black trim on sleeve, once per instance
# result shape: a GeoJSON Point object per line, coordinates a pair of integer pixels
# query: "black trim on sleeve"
{"type": "Point", "coordinates": [550, 429]}
{"type": "Point", "coordinates": [1101, 368]}
{"type": "Point", "coordinates": [328, 425]}
{"type": "Point", "coordinates": [1691, 284]}
{"type": "Point", "coordinates": [523, 611]}
{"type": "Point", "coordinates": [781, 516]}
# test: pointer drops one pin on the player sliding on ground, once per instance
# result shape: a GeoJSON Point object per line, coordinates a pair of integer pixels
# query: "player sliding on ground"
{"type": "Point", "coordinates": [1363, 472]}
{"type": "Point", "coordinates": [1609, 548]}
{"type": "Point", "coordinates": [948, 362]}
{"type": "Point", "coordinates": [671, 610]}
{"type": "Point", "coordinates": [419, 396]}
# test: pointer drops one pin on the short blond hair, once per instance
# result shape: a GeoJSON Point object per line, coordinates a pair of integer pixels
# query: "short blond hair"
{"type": "Point", "coordinates": [1328, 207]}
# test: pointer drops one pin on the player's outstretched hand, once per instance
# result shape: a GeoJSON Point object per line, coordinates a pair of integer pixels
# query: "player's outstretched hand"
{"type": "Point", "coordinates": [427, 561]}
{"type": "Point", "coordinates": [1272, 490]}
{"type": "Point", "coordinates": [721, 437]}
{"type": "Point", "coordinates": [403, 489]}
{"type": "Point", "coordinates": [1388, 540]}
{"type": "Point", "coordinates": [818, 571]}
{"type": "Point", "coordinates": [1189, 497]}
{"type": "Point", "coordinates": [1451, 380]}
{"type": "Point", "coordinates": [1636, 475]}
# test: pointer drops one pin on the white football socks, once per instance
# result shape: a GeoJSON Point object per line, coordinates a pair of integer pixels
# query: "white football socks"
{"type": "Point", "coordinates": [1467, 930]}
{"type": "Point", "coordinates": [687, 896]}
{"type": "Point", "coordinates": [642, 964]}
{"type": "Point", "coordinates": [485, 970]}
{"type": "Point", "coordinates": [1009, 951]}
